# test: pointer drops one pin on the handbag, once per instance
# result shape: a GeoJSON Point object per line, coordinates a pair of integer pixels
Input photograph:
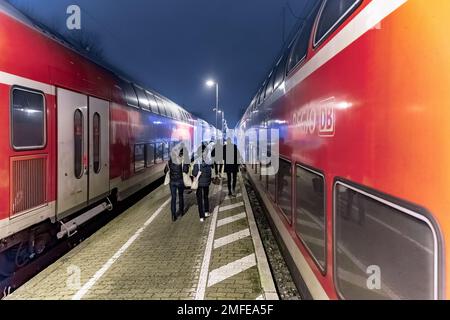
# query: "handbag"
{"type": "Point", "coordinates": [186, 177]}
{"type": "Point", "coordinates": [196, 179]}
{"type": "Point", "coordinates": [187, 180]}
{"type": "Point", "coordinates": [167, 179]}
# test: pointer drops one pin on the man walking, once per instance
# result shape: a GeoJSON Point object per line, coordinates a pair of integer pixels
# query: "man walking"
{"type": "Point", "coordinates": [232, 161]}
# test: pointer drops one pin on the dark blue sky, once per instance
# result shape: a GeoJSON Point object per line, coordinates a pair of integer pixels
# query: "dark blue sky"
{"type": "Point", "coordinates": [173, 46]}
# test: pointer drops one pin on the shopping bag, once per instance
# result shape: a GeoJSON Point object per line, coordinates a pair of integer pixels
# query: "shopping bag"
{"type": "Point", "coordinates": [196, 179]}
{"type": "Point", "coordinates": [187, 180]}
{"type": "Point", "coordinates": [167, 179]}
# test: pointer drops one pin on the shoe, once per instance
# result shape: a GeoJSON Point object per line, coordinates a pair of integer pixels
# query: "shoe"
{"type": "Point", "coordinates": [174, 218]}
{"type": "Point", "coordinates": [202, 220]}
{"type": "Point", "coordinates": [207, 214]}
{"type": "Point", "coordinates": [230, 194]}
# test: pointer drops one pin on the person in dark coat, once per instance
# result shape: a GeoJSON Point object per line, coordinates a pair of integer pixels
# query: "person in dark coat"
{"type": "Point", "coordinates": [232, 160]}
{"type": "Point", "coordinates": [177, 168]}
{"type": "Point", "coordinates": [218, 158]}
{"type": "Point", "coordinates": [203, 164]}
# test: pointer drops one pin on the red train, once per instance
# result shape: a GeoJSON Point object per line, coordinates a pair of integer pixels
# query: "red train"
{"type": "Point", "coordinates": [361, 100]}
{"type": "Point", "coordinates": [74, 137]}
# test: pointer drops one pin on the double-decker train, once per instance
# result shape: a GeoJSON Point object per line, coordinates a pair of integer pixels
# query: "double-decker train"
{"type": "Point", "coordinates": [361, 101]}
{"type": "Point", "coordinates": [74, 138]}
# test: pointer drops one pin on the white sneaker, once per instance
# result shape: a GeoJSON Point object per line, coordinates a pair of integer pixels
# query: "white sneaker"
{"type": "Point", "coordinates": [207, 214]}
{"type": "Point", "coordinates": [202, 220]}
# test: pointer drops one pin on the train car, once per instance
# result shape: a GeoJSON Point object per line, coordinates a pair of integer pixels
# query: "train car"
{"type": "Point", "coordinates": [361, 100]}
{"type": "Point", "coordinates": [75, 138]}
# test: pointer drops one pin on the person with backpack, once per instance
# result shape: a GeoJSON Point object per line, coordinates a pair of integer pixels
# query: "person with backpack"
{"type": "Point", "coordinates": [176, 168]}
{"type": "Point", "coordinates": [202, 171]}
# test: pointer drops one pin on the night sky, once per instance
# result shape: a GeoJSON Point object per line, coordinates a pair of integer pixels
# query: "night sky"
{"type": "Point", "coordinates": [173, 46]}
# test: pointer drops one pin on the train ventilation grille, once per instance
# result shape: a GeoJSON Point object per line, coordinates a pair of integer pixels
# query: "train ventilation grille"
{"type": "Point", "coordinates": [28, 185]}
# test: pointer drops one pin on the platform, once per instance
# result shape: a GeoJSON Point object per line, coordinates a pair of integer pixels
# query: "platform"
{"type": "Point", "coordinates": [142, 254]}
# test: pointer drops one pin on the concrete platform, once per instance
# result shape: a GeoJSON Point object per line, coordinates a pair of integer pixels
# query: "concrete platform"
{"type": "Point", "coordinates": [142, 254]}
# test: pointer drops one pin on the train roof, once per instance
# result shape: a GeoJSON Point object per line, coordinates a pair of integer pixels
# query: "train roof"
{"type": "Point", "coordinates": [129, 88]}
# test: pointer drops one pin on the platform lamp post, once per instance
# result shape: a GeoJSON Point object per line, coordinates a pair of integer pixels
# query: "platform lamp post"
{"type": "Point", "coordinates": [210, 84]}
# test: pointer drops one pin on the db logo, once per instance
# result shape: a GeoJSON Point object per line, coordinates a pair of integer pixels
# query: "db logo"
{"type": "Point", "coordinates": [327, 119]}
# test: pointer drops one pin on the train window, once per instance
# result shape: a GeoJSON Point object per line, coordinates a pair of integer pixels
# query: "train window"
{"type": "Point", "coordinates": [300, 48]}
{"type": "Point", "coordinates": [159, 153]}
{"type": "Point", "coordinates": [310, 212]}
{"type": "Point", "coordinates": [166, 151]}
{"type": "Point", "coordinates": [149, 155]}
{"type": "Point", "coordinates": [27, 120]}
{"type": "Point", "coordinates": [139, 157]}
{"type": "Point", "coordinates": [129, 94]}
{"type": "Point", "coordinates": [382, 250]}
{"type": "Point", "coordinates": [280, 72]}
{"type": "Point", "coordinates": [333, 13]}
{"type": "Point", "coordinates": [78, 143]}
{"type": "Point", "coordinates": [269, 86]}
{"type": "Point", "coordinates": [152, 103]}
{"type": "Point", "coordinates": [284, 188]}
{"type": "Point", "coordinates": [162, 106]}
{"type": "Point", "coordinates": [96, 144]}
{"type": "Point", "coordinates": [175, 111]}
{"type": "Point", "coordinates": [261, 95]}
{"type": "Point", "coordinates": [173, 144]}
{"type": "Point", "coordinates": [142, 98]}
{"type": "Point", "coordinates": [170, 109]}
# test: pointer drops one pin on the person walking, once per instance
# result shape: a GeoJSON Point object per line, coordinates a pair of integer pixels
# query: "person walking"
{"type": "Point", "coordinates": [203, 165]}
{"type": "Point", "coordinates": [231, 158]}
{"type": "Point", "coordinates": [218, 158]}
{"type": "Point", "coordinates": [177, 167]}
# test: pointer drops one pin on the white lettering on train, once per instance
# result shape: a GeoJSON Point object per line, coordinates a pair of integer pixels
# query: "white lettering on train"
{"type": "Point", "coordinates": [316, 118]}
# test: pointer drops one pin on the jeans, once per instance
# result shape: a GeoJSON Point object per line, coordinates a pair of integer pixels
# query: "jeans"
{"type": "Point", "coordinates": [229, 175]}
{"type": "Point", "coordinates": [203, 201]}
{"type": "Point", "coordinates": [173, 191]}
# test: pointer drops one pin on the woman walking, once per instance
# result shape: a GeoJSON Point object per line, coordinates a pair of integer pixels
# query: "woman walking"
{"type": "Point", "coordinates": [177, 167]}
{"type": "Point", "coordinates": [204, 167]}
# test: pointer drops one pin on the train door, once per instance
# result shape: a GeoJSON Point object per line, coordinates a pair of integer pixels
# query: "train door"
{"type": "Point", "coordinates": [72, 111]}
{"type": "Point", "coordinates": [98, 148]}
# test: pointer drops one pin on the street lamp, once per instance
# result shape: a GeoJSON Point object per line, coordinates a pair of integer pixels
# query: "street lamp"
{"type": "Point", "coordinates": [210, 84]}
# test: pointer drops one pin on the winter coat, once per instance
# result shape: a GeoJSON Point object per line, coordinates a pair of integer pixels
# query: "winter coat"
{"type": "Point", "coordinates": [176, 172]}
{"type": "Point", "coordinates": [231, 165]}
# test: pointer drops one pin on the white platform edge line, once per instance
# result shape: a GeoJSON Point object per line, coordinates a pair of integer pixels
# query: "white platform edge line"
{"type": "Point", "coordinates": [231, 206]}
{"type": "Point", "coordinates": [230, 270]}
{"type": "Point", "coordinates": [265, 275]}
{"type": "Point", "coordinates": [221, 242]}
{"type": "Point", "coordinates": [231, 219]}
{"type": "Point", "coordinates": [93, 280]}
{"type": "Point", "coordinates": [204, 271]}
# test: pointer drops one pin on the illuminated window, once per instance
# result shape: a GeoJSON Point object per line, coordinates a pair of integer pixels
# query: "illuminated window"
{"type": "Point", "coordinates": [27, 119]}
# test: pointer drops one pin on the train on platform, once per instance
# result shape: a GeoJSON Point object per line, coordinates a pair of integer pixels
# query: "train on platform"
{"type": "Point", "coordinates": [75, 138]}
{"type": "Point", "coordinates": [360, 99]}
